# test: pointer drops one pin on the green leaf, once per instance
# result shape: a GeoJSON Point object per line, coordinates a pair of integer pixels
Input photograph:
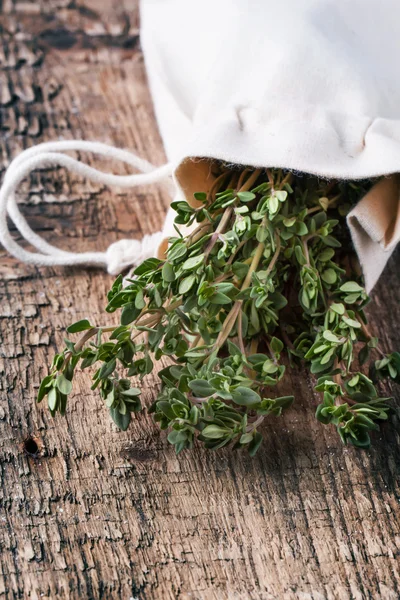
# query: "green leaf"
{"type": "Point", "coordinates": [201, 388]}
{"type": "Point", "coordinates": [281, 195]}
{"type": "Point", "coordinates": [362, 440]}
{"type": "Point", "coordinates": [177, 251]}
{"type": "Point", "coordinates": [262, 234]}
{"type": "Point", "coordinates": [284, 401]}
{"type": "Point", "coordinates": [186, 284]}
{"type": "Point", "coordinates": [269, 367]}
{"type": "Point", "coordinates": [255, 444]}
{"type": "Point", "coordinates": [254, 320]}
{"type": "Point", "coordinates": [301, 259]}
{"type": "Point", "coordinates": [62, 404]}
{"type": "Point", "coordinates": [45, 385]}
{"type": "Point", "coordinates": [246, 438]}
{"type": "Point", "coordinates": [132, 392]}
{"type": "Point", "coordinates": [327, 356]}
{"type": "Point", "coordinates": [331, 241]}
{"type": "Point", "coordinates": [354, 380]}
{"type": "Point", "coordinates": [351, 286]}
{"type": "Point", "coordinates": [363, 355]}
{"type": "Point", "coordinates": [129, 313]}
{"type": "Point", "coordinates": [147, 266]}
{"type": "Point", "coordinates": [79, 326]}
{"type": "Point", "coordinates": [194, 415]}
{"type": "Point", "coordinates": [193, 263]}
{"type": "Point", "coordinates": [329, 276]}
{"type": "Point", "coordinates": [168, 273]}
{"type": "Point", "coordinates": [201, 196]}
{"type": "Point", "coordinates": [324, 202]}
{"type": "Point", "coordinates": [220, 298]}
{"type": "Point", "coordinates": [121, 421]}
{"type": "Point", "coordinates": [110, 398]}
{"type": "Point", "coordinates": [52, 398]}
{"type": "Point", "coordinates": [107, 368]}
{"type": "Point", "coordinates": [166, 409]}
{"type": "Point", "coordinates": [300, 228]}
{"type": "Point", "coordinates": [351, 298]}
{"type": "Point", "coordinates": [330, 337]}
{"type": "Point", "coordinates": [63, 384]}
{"type": "Point", "coordinates": [240, 269]}
{"type": "Point", "coordinates": [139, 300]}
{"type": "Point", "coordinates": [214, 432]}
{"type": "Point", "coordinates": [326, 255]}
{"type": "Point", "coordinates": [175, 436]}
{"type": "Point", "coordinates": [273, 204]}
{"type": "Point", "coordinates": [351, 322]}
{"type": "Point", "coordinates": [322, 415]}
{"type": "Point", "coordinates": [245, 396]}
{"type": "Point", "coordinates": [338, 308]}
{"type": "Point", "coordinates": [246, 196]}
{"type": "Point", "coordinates": [70, 345]}
{"type": "Point", "coordinates": [276, 345]}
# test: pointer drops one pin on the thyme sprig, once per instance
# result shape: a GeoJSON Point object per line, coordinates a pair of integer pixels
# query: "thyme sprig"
{"type": "Point", "coordinates": [261, 283]}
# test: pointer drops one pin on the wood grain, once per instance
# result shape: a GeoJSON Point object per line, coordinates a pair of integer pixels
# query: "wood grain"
{"type": "Point", "coordinates": [101, 514]}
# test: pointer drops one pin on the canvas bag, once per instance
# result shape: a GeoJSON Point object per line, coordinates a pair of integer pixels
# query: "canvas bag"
{"type": "Point", "coordinates": [307, 85]}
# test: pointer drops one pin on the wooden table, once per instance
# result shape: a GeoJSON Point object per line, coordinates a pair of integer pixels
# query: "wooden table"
{"type": "Point", "coordinates": [103, 514]}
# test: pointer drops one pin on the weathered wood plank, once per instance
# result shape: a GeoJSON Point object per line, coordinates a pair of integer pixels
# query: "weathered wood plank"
{"type": "Point", "coordinates": [103, 514]}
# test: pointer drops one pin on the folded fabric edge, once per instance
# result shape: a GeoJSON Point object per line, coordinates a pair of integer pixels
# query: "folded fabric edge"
{"type": "Point", "coordinates": [372, 256]}
{"type": "Point", "coordinates": [374, 225]}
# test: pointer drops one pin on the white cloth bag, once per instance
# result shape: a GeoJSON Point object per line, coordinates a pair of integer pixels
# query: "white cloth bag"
{"type": "Point", "coordinates": [307, 85]}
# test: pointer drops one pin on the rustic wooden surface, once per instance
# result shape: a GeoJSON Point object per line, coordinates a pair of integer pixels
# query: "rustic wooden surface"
{"type": "Point", "coordinates": [103, 514]}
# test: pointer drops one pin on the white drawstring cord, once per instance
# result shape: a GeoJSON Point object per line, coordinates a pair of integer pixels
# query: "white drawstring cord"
{"type": "Point", "coordinates": [120, 254]}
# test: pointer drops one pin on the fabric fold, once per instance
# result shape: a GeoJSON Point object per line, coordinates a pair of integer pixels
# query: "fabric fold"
{"type": "Point", "coordinates": [375, 227]}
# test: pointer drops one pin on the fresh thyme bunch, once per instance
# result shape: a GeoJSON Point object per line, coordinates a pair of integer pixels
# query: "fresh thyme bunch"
{"type": "Point", "coordinates": [263, 281]}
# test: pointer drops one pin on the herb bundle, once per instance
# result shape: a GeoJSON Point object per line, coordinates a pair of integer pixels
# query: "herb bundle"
{"type": "Point", "coordinates": [264, 280]}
